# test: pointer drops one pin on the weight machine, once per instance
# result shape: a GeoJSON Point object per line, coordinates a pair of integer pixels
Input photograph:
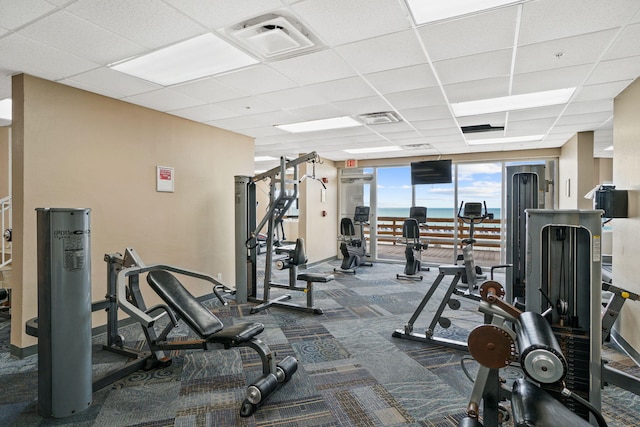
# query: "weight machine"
{"type": "Point", "coordinates": [413, 242]}
{"type": "Point", "coordinates": [525, 190]}
{"type": "Point", "coordinates": [354, 249]}
{"type": "Point", "coordinates": [532, 343]}
{"type": "Point", "coordinates": [283, 192]}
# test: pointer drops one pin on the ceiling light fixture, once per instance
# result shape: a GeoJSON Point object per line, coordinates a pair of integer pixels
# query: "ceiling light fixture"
{"type": "Point", "coordinates": [513, 102]}
{"type": "Point", "coordinates": [373, 149]}
{"type": "Point", "coordinates": [431, 11]}
{"type": "Point", "coordinates": [5, 109]}
{"type": "Point", "coordinates": [198, 57]}
{"type": "Point", "coordinates": [324, 124]}
{"type": "Point", "coordinates": [505, 140]}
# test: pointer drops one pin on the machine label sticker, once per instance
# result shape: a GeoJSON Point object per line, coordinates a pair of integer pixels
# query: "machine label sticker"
{"type": "Point", "coordinates": [596, 249]}
{"type": "Point", "coordinates": [74, 247]}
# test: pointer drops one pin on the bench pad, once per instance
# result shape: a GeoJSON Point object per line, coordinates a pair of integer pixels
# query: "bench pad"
{"type": "Point", "coordinates": [315, 277]}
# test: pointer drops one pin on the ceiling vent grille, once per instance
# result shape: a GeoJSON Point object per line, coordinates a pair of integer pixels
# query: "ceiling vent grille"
{"type": "Point", "coordinates": [380, 118]}
{"type": "Point", "coordinates": [417, 146]}
{"type": "Point", "coordinates": [272, 36]}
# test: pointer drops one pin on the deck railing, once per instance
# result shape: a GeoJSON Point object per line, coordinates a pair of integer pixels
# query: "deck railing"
{"type": "Point", "coordinates": [5, 223]}
{"type": "Point", "coordinates": [441, 231]}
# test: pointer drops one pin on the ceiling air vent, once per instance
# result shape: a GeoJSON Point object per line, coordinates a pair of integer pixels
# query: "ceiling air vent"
{"type": "Point", "coordinates": [480, 128]}
{"type": "Point", "coordinates": [417, 146]}
{"type": "Point", "coordinates": [272, 36]}
{"type": "Point", "coordinates": [380, 118]}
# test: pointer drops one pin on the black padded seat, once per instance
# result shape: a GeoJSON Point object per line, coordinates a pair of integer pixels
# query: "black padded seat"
{"type": "Point", "coordinates": [198, 317]}
{"type": "Point", "coordinates": [532, 406]}
{"type": "Point", "coordinates": [315, 277]}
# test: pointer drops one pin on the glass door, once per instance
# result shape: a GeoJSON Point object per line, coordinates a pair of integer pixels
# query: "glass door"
{"type": "Point", "coordinates": [393, 199]}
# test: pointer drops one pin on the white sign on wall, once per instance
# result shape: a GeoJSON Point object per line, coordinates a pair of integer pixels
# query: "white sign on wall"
{"type": "Point", "coordinates": [165, 177]}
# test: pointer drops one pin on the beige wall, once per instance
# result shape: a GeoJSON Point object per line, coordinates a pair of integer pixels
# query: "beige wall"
{"type": "Point", "coordinates": [319, 231]}
{"type": "Point", "coordinates": [4, 163]}
{"type": "Point", "coordinates": [576, 172]}
{"type": "Point", "coordinates": [72, 148]}
{"type": "Point", "coordinates": [626, 232]}
{"type": "Point", "coordinates": [605, 170]}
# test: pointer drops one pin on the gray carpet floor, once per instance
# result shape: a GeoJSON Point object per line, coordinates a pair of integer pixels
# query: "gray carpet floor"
{"type": "Point", "coordinates": [352, 372]}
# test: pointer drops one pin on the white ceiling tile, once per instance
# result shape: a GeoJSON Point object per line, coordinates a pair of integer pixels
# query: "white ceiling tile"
{"type": "Point", "coordinates": [261, 131]}
{"type": "Point", "coordinates": [416, 98]}
{"type": "Point", "coordinates": [315, 112]}
{"type": "Point", "coordinates": [17, 13]}
{"type": "Point", "coordinates": [5, 88]}
{"type": "Point", "coordinates": [247, 105]}
{"type": "Point", "coordinates": [338, 22]}
{"type": "Point", "coordinates": [399, 129]}
{"type": "Point", "coordinates": [599, 118]}
{"type": "Point", "coordinates": [402, 79]}
{"type": "Point", "coordinates": [67, 32]}
{"type": "Point", "coordinates": [590, 107]}
{"type": "Point", "coordinates": [204, 113]}
{"type": "Point", "coordinates": [21, 54]}
{"type": "Point", "coordinates": [343, 89]}
{"type": "Point", "coordinates": [477, 89]}
{"type": "Point", "coordinates": [627, 44]}
{"type": "Point", "coordinates": [434, 124]}
{"type": "Point", "coordinates": [600, 91]}
{"type": "Point", "coordinates": [437, 133]}
{"type": "Point", "coordinates": [474, 67]}
{"type": "Point", "coordinates": [314, 67]}
{"type": "Point", "coordinates": [495, 119]}
{"type": "Point", "coordinates": [577, 50]}
{"type": "Point", "coordinates": [163, 100]}
{"type": "Point", "coordinates": [615, 70]}
{"type": "Point", "coordinates": [544, 20]}
{"type": "Point", "coordinates": [469, 36]}
{"type": "Point", "coordinates": [256, 80]}
{"type": "Point", "coordinates": [293, 98]}
{"type": "Point", "coordinates": [209, 90]}
{"type": "Point", "coordinates": [108, 82]}
{"type": "Point", "coordinates": [151, 23]}
{"type": "Point", "coordinates": [354, 107]}
{"type": "Point", "coordinates": [217, 13]}
{"type": "Point", "coordinates": [551, 111]}
{"type": "Point", "coordinates": [383, 53]}
{"type": "Point", "coordinates": [426, 113]}
{"type": "Point", "coordinates": [558, 78]}
{"type": "Point", "coordinates": [533, 127]}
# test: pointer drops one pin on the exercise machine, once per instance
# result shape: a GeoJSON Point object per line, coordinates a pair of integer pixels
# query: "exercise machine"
{"type": "Point", "coordinates": [294, 257]}
{"type": "Point", "coordinates": [124, 277]}
{"type": "Point", "coordinates": [353, 248]}
{"type": "Point", "coordinates": [526, 186]}
{"type": "Point", "coordinates": [414, 243]}
{"type": "Point", "coordinates": [472, 214]}
{"type": "Point", "coordinates": [532, 343]}
{"type": "Point", "coordinates": [283, 192]}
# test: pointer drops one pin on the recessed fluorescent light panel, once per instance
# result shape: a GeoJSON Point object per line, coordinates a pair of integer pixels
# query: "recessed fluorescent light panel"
{"type": "Point", "coordinates": [263, 158]}
{"type": "Point", "coordinates": [324, 124]}
{"type": "Point", "coordinates": [609, 148]}
{"type": "Point", "coordinates": [373, 149]}
{"type": "Point", "coordinates": [5, 109]}
{"type": "Point", "coordinates": [201, 56]}
{"type": "Point", "coordinates": [506, 140]}
{"type": "Point", "coordinates": [513, 102]}
{"type": "Point", "coordinates": [430, 11]}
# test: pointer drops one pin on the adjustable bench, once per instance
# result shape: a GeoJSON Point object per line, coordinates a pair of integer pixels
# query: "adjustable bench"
{"type": "Point", "coordinates": [179, 304]}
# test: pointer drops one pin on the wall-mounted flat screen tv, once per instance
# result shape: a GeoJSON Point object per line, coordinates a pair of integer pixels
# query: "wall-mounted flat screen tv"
{"type": "Point", "coordinates": [431, 172]}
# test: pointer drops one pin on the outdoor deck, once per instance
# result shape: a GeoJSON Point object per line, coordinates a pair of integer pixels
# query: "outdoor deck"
{"type": "Point", "coordinates": [483, 257]}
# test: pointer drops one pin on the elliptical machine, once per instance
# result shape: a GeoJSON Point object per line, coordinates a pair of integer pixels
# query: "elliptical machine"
{"type": "Point", "coordinates": [414, 245]}
{"type": "Point", "coordinates": [352, 248]}
{"type": "Point", "coordinates": [472, 213]}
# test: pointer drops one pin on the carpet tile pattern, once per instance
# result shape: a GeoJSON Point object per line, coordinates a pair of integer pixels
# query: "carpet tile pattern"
{"type": "Point", "coordinates": [351, 371]}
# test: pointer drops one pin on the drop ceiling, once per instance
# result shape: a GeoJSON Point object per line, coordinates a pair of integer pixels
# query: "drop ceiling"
{"type": "Point", "coordinates": [369, 56]}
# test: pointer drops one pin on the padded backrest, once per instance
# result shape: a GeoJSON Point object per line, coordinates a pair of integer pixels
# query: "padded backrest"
{"type": "Point", "coordinates": [346, 227]}
{"type": "Point", "coordinates": [299, 257]}
{"type": "Point", "coordinates": [410, 229]}
{"type": "Point", "coordinates": [175, 295]}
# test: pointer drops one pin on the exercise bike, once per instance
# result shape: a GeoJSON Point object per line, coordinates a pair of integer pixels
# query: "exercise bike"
{"type": "Point", "coordinates": [471, 213]}
{"type": "Point", "coordinates": [414, 245]}
{"type": "Point", "coordinates": [353, 248]}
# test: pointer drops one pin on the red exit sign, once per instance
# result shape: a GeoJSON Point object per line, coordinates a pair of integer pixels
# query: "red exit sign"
{"type": "Point", "coordinates": [351, 163]}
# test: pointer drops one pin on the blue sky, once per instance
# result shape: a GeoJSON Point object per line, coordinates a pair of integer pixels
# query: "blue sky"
{"type": "Point", "coordinates": [476, 183]}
